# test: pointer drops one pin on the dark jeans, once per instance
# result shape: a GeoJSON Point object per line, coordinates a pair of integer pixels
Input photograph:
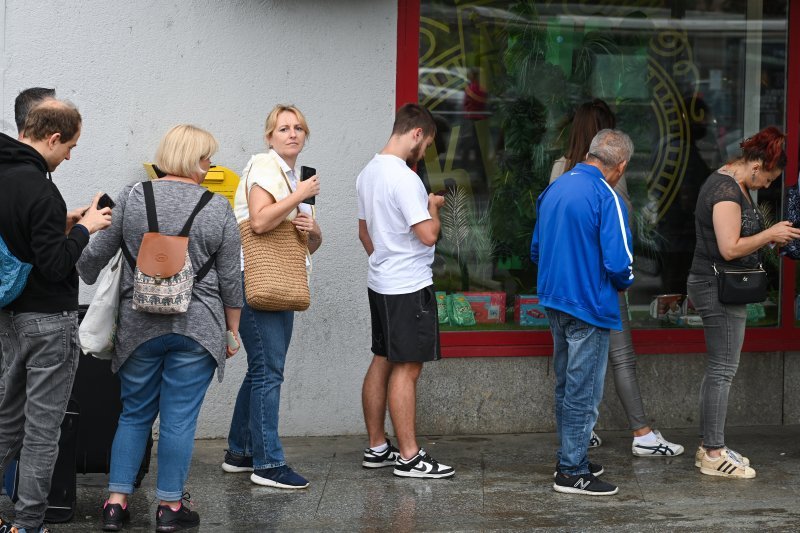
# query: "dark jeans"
{"type": "Point", "coordinates": [724, 326]}
{"type": "Point", "coordinates": [40, 356]}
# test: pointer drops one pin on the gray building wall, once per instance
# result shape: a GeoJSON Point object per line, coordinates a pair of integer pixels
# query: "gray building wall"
{"type": "Point", "coordinates": [137, 68]}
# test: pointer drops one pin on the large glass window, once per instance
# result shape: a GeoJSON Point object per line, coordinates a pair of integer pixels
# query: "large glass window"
{"type": "Point", "coordinates": [686, 80]}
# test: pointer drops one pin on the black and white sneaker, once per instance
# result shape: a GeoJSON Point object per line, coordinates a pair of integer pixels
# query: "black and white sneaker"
{"type": "Point", "coordinates": [595, 440]}
{"type": "Point", "coordinates": [422, 465]}
{"type": "Point", "coordinates": [583, 484]}
{"type": "Point", "coordinates": [378, 460]}
{"type": "Point", "coordinates": [594, 469]}
{"type": "Point", "coordinates": [660, 447]}
{"type": "Point", "coordinates": [237, 463]}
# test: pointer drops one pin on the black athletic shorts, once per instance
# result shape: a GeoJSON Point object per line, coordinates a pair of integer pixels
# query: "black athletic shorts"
{"type": "Point", "coordinates": [405, 327]}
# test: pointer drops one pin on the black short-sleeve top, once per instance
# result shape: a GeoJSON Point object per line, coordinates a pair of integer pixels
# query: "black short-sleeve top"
{"type": "Point", "coordinates": [721, 188]}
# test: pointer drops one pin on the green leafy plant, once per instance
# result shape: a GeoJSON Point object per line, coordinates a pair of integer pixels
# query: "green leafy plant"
{"type": "Point", "coordinates": [466, 238]}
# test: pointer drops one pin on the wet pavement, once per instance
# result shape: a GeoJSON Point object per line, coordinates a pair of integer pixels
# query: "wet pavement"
{"type": "Point", "coordinates": [502, 483]}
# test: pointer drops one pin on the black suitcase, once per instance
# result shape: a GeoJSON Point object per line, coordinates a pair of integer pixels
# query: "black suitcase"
{"type": "Point", "coordinates": [61, 499]}
{"type": "Point", "coordinates": [97, 393]}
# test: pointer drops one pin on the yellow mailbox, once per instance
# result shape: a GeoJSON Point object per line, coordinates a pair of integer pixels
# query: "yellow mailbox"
{"type": "Point", "coordinates": [220, 180]}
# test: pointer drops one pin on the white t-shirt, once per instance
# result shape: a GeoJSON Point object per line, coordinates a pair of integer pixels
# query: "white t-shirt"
{"type": "Point", "coordinates": [391, 199]}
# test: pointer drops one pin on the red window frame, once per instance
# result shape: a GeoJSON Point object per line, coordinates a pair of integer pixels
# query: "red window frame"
{"type": "Point", "coordinates": [646, 341]}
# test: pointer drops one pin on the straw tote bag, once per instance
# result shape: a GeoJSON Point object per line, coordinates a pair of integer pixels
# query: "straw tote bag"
{"type": "Point", "coordinates": [275, 277]}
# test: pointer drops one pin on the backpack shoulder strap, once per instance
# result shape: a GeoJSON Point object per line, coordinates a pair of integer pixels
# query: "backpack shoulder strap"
{"type": "Point", "coordinates": [205, 268]}
{"type": "Point", "coordinates": [207, 196]}
{"type": "Point", "coordinates": [150, 206]}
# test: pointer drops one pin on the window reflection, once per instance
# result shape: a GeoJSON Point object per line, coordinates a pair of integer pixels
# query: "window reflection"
{"type": "Point", "coordinates": [687, 83]}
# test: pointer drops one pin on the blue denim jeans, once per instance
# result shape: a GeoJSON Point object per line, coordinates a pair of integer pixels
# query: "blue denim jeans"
{"type": "Point", "coordinates": [39, 359]}
{"type": "Point", "coordinates": [254, 426]}
{"type": "Point", "coordinates": [168, 375]}
{"type": "Point", "coordinates": [724, 326]}
{"type": "Point", "coordinates": [580, 356]}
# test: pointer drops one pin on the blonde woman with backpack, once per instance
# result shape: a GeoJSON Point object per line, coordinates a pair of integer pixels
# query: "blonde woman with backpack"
{"type": "Point", "coordinates": [166, 361]}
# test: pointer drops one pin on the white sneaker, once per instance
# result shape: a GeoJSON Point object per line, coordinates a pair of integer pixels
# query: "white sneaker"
{"type": "Point", "coordinates": [661, 448]}
{"type": "Point", "coordinates": [726, 465]}
{"type": "Point", "coordinates": [595, 440]}
{"type": "Point", "coordinates": [698, 456]}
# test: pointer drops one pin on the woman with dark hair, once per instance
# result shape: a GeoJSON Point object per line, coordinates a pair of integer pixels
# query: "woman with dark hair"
{"type": "Point", "coordinates": [591, 117]}
{"type": "Point", "coordinates": [730, 233]}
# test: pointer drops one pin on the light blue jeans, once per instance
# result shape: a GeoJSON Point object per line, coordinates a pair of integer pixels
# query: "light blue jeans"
{"type": "Point", "coordinates": [254, 426]}
{"type": "Point", "coordinates": [39, 359]}
{"type": "Point", "coordinates": [580, 356]}
{"type": "Point", "coordinates": [168, 375]}
{"type": "Point", "coordinates": [724, 327]}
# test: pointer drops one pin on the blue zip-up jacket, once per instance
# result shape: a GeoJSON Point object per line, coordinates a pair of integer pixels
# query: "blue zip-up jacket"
{"type": "Point", "coordinates": [582, 244]}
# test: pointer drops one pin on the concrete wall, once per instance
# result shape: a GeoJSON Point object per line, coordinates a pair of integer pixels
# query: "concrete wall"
{"type": "Point", "coordinates": [136, 68]}
{"type": "Point", "coordinates": [511, 395]}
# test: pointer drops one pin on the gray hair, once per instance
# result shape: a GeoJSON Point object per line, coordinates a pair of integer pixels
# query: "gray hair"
{"type": "Point", "coordinates": [611, 147]}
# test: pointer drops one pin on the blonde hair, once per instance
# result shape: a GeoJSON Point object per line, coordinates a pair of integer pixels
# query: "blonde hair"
{"type": "Point", "coordinates": [181, 149]}
{"type": "Point", "coordinates": [272, 119]}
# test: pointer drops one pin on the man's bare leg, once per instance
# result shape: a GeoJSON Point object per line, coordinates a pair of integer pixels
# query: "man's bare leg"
{"type": "Point", "coordinates": [403, 406]}
{"type": "Point", "coordinates": [373, 399]}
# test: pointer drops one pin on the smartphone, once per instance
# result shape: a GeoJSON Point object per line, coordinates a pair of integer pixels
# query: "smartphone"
{"type": "Point", "coordinates": [305, 173]}
{"type": "Point", "coordinates": [233, 344]}
{"type": "Point", "coordinates": [105, 201]}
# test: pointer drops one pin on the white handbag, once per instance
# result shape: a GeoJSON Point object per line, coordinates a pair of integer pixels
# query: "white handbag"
{"type": "Point", "coordinates": [98, 330]}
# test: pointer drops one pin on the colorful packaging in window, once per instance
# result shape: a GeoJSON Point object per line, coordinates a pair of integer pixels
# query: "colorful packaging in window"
{"type": "Point", "coordinates": [441, 307]}
{"type": "Point", "coordinates": [459, 311]}
{"type": "Point", "coordinates": [528, 311]}
{"type": "Point", "coordinates": [488, 307]}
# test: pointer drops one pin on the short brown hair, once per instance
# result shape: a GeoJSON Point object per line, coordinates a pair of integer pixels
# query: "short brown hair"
{"type": "Point", "coordinates": [412, 116]}
{"type": "Point", "coordinates": [52, 116]}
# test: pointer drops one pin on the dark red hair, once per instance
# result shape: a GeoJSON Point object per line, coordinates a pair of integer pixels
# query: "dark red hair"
{"type": "Point", "coordinates": [765, 146]}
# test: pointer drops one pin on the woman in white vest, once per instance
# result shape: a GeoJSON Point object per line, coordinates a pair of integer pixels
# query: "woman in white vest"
{"type": "Point", "coordinates": [270, 191]}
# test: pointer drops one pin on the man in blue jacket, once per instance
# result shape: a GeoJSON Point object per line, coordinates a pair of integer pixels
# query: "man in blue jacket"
{"type": "Point", "coordinates": [582, 244]}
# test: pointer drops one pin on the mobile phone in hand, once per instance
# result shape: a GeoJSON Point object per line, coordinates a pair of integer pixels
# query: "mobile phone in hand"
{"type": "Point", "coordinates": [305, 173]}
{"type": "Point", "coordinates": [105, 201]}
{"type": "Point", "coordinates": [233, 344]}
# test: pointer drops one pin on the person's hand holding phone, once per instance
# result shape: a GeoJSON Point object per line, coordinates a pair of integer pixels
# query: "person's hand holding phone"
{"type": "Point", "coordinates": [308, 174]}
{"type": "Point", "coordinates": [233, 344]}
{"type": "Point", "coordinates": [435, 201]}
{"type": "Point", "coordinates": [94, 218]}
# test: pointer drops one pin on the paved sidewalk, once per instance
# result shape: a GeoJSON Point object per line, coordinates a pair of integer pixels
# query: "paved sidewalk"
{"type": "Point", "coordinates": [502, 482]}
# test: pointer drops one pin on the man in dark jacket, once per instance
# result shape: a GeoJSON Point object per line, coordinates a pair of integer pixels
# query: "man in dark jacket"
{"type": "Point", "coordinates": [38, 330]}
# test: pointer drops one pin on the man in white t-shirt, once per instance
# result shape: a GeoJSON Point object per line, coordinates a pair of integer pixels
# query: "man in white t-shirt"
{"type": "Point", "coordinates": [398, 224]}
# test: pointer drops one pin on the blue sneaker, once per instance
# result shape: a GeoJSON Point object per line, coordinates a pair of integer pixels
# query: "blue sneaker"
{"type": "Point", "coordinates": [281, 477]}
{"type": "Point", "coordinates": [237, 463]}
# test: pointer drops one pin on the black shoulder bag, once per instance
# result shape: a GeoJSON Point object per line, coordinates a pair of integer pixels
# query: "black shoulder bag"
{"type": "Point", "coordinates": [740, 286]}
